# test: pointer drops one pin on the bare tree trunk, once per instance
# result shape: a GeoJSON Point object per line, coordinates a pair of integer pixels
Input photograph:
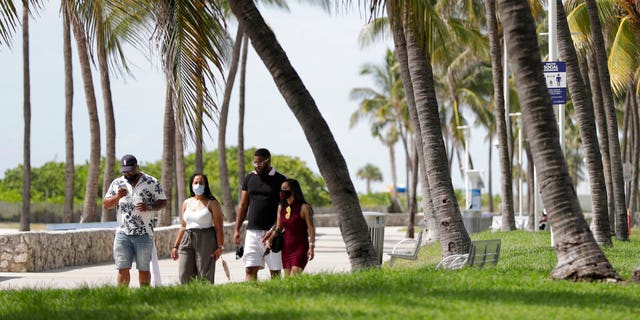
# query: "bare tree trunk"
{"type": "Point", "coordinates": [454, 238]}
{"type": "Point", "coordinates": [622, 232]}
{"type": "Point", "coordinates": [110, 126]}
{"type": "Point", "coordinates": [506, 210]}
{"type": "Point", "coordinates": [181, 188]}
{"type": "Point", "coordinates": [25, 217]}
{"type": "Point", "coordinates": [168, 155]}
{"type": "Point", "coordinates": [68, 118]}
{"type": "Point", "coordinates": [579, 256]}
{"type": "Point", "coordinates": [490, 175]}
{"type": "Point", "coordinates": [587, 125]}
{"type": "Point", "coordinates": [93, 175]}
{"type": "Point", "coordinates": [241, 108]}
{"type": "Point", "coordinates": [330, 161]}
{"type": "Point", "coordinates": [433, 232]}
{"type": "Point", "coordinates": [227, 200]}
{"type": "Point", "coordinates": [603, 138]}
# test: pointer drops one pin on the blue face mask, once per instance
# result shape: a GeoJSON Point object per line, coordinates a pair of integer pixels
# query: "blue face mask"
{"type": "Point", "coordinates": [198, 189]}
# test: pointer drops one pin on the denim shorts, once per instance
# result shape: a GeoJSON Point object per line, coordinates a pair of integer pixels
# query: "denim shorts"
{"type": "Point", "coordinates": [128, 247]}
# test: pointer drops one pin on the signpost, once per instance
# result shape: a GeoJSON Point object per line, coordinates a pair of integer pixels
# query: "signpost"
{"type": "Point", "coordinates": [555, 74]}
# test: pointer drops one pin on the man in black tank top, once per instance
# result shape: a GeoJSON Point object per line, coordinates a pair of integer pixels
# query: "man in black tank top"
{"type": "Point", "coordinates": [259, 198]}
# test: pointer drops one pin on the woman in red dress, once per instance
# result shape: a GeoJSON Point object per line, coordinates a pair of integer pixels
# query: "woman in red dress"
{"type": "Point", "coordinates": [295, 217]}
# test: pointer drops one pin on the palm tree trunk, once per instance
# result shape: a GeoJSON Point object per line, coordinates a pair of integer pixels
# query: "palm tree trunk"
{"type": "Point", "coordinates": [93, 175]}
{"type": "Point", "coordinates": [587, 125]}
{"type": "Point", "coordinates": [454, 238]}
{"type": "Point", "coordinates": [490, 175]}
{"type": "Point", "coordinates": [168, 155]}
{"type": "Point", "coordinates": [635, 150]}
{"type": "Point", "coordinates": [506, 210]}
{"type": "Point", "coordinates": [110, 126]}
{"type": "Point", "coordinates": [227, 200]}
{"type": "Point", "coordinates": [25, 217]}
{"type": "Point", "coordinates": [200, 124]}
{"type": "Point", "coordinates": [579, 256]}
{"type": "Point", "coordinates": [179, 183]}
{"type": "Point", "coordinates": [603, 138]}
{"type": "Point", "coordinates": [68, 118]}
{"type": "Point", "coordinates": [325, 149]}
{"type": "Point", "coordinates": [433, 232]}
{"type": "Point", "coordinates": [612, 123]}
{"type": "Point", "coordinates": [241, 105]}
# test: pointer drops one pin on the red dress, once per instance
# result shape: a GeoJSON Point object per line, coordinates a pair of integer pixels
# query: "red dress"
{"type": "Point", "coordinates": [296, 237]}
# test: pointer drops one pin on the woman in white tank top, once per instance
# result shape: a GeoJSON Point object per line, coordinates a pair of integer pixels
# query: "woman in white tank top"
{"type": "Point", "coordinates": [200, 239]}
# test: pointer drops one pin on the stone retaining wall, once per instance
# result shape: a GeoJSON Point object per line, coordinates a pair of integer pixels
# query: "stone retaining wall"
{"type": "Point", "coordinates": [40, 251]}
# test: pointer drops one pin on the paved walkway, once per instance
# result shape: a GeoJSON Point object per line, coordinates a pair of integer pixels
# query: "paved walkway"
{"type": "Point", "coordinates": [331, 256]}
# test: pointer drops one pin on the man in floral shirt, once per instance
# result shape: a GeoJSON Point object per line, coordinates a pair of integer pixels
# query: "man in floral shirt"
{"type": "Point", "coordinates": [135, 195]}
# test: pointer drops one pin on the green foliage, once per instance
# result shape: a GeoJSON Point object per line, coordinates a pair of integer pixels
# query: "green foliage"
{"type": "Point", "coordinates": [376, 199]}
{"type": "Point", "coordinates": [47, 181]}
{"type": "Point", "coordinates": [519, 287]}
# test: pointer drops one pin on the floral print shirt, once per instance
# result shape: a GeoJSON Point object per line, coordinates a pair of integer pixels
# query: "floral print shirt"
{"type": "Point", "coordinates": [130, 220]}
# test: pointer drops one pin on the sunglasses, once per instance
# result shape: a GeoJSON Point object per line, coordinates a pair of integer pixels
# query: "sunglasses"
{"type": "Point", "coordinates": [259, 163]}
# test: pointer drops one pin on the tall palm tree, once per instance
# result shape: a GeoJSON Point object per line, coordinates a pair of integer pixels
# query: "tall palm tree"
{"type": "Point", "coordinates": [385, 106]}
{"type": "Point", "coordinates": [168, 154]}
{"type": "Point", "coordinates": [241, 108]}
{"type": "Point", "coordinates": [91, 189]}
{"type": "Point", "coordinates": [506, 209]}
{"type": "Point", "coordinates": [103, 40]}
{"type": "Point", "coordinates": [68, 123]}
{"type": "Point", "coordinates": [587, 124]}
{"type": "Point", "coordinates": [397, 29]}
{"type": "Point", "coordinates": [453, 235]}
{"type": "Point", "coordinates": [227, 200]}
{"type": "Point", "coordinates": [579, 256]}
{"type": "Point", "coordinates": [612, 123]}
{"type": "Point", "coordinates": [369, 173]}
{"type": "Point", "coordinates": [25, 217]}
{"type": "Point", "coordinates": [328, 156]}
{"type": "Point", "coordinates": [192, 39]}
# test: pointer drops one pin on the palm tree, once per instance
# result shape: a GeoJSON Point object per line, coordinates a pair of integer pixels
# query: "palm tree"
{"type": "Point", "coordinates": [168, 154]}
{"type": "Point", "coordinates": [192, 38]}
{"type": "Point", "coordinates": [369, 173]}
{"type": "Point", "coordinates": [241, 108]}
{"type": "Point", "coordinates": [433, 232]}
{"type": "Point", "coordinates": [328, 156]}
{"type": "Point", "coordinates": [579, 256]}
{"type": "Point", "coordinates": [453, 235]}
{"type": "Point", "coordinates": [103, 39]}
{"type": "Point", "coordinates": [612, 123]}
{"type": "Point", "coordinates": [506, 209]}
{"type": "Point", "coordinates": [385, 106]}
{"type": "Point", "coordinates": [8, 21]}
{"type": "Point", "coordinates": [587, 124]}
{"type": "Point", "coordinates": [227, 200]}
{"type": "Point", "coordinates": [68, 125]}
{"type": "Point", "coordinates": [25, 217]}
{"type": "Point", "coordinates": [91, 189]}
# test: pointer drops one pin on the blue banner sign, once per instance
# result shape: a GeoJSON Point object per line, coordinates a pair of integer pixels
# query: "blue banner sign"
{"type": "Point", "coordinates": [555, 75]}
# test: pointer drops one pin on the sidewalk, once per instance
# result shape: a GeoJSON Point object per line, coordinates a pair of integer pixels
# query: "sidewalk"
{"type": "Point", "coordinates": [330, 256]}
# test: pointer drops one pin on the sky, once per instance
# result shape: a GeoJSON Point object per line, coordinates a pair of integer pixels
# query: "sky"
{"type": "Point", "coordinates": [322, 48]}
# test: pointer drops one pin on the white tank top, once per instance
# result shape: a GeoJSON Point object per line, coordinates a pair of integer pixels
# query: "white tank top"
{"type": "Point", "coordinates": [199, 218]}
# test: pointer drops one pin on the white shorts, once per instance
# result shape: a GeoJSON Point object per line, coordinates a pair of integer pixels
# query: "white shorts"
{"type": "Point", "coordinates": [254, 252]}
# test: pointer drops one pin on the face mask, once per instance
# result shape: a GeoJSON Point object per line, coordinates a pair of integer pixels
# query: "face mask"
{"type": "Point", "coordinates": [284, 194]}
{"type": "Point", "coordinates": [132, 178]}
{"type": "Point", "coordinates": [198, 189]}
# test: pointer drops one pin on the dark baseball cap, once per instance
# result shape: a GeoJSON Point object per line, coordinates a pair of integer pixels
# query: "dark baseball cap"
{"type": "Point", "coordinates": [128, 163]}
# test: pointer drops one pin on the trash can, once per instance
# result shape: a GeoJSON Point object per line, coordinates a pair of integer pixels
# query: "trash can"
{"type": "Point", "coordinates": [375, 223]}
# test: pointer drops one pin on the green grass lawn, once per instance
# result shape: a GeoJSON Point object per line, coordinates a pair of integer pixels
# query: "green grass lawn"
{"type": "Point", "coordinates": [518, 288]}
